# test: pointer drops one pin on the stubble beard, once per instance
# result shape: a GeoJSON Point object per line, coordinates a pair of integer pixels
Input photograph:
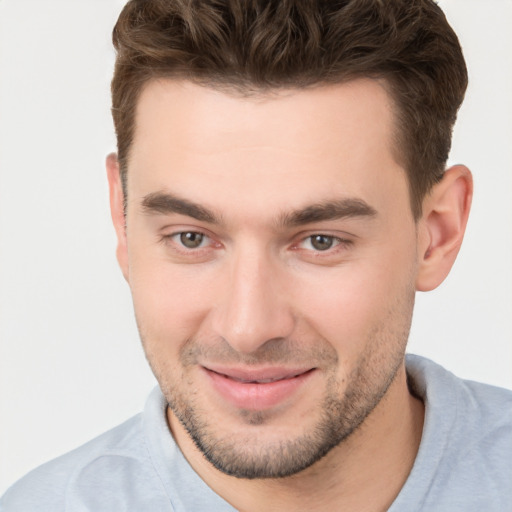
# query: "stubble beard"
{"type": "Point", "coordinates": [343, 408]}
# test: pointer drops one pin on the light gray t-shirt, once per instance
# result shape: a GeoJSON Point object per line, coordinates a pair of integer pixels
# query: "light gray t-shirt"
{"type": "Point", "coordinates": [464, 463]}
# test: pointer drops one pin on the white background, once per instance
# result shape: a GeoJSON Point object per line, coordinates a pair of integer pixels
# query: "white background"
{"type": "Point", "coordinates": [71, 365]}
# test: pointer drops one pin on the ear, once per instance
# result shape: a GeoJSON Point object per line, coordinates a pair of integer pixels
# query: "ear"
{"type": "Point", "coordinates": [442, 226]}
{"type": "Point", "coordinates": [117, 211]}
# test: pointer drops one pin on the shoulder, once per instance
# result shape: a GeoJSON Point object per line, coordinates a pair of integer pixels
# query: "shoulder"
{"type": "Point", "coordinates": [464, 460]}
{"type": "Point", "coordinates": [471, 411]}
{"type": "Point", "coordinates": [441, 389]}
{"type": "Point", "coordinates": [46, 487]}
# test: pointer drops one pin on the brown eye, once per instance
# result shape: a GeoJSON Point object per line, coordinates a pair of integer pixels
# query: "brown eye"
{"type": "Point", "coordinates": [191, 239]}
{"type": "Point", "coordinates": [321, 242]}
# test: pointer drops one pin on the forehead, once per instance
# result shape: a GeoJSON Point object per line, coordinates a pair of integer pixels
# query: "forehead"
{"type": "Point", "coordinates": [321, 114]}
{"type": "Point", "coordinates": [334, 138]}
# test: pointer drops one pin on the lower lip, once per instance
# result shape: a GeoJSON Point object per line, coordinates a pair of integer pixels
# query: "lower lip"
{"type": "Point", "coordinates": [256, 396]}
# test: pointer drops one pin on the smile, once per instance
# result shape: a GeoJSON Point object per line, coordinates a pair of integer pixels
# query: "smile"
{"type": "Point", "coordinates": [257, 389]}
{"type": "Point", "coordinates": [263, 381]}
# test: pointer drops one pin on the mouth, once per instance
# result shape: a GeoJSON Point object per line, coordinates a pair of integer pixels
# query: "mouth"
{"type": "Point", "coordinates": [251, 378]}
{"type": "Point", "coordinates": [257, 389]}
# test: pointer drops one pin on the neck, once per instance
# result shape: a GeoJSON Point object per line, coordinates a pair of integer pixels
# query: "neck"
{"type": "Point", "coordinates": [365, 472]}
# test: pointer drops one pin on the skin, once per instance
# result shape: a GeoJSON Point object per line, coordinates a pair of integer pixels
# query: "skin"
{"type": "Point", "coordinates": [257, 295]}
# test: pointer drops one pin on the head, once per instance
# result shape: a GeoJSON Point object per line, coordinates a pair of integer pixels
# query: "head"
{"type": "Point", "coordinates": [279, 196]}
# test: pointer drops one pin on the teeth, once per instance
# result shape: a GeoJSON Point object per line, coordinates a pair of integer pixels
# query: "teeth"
{"type": "Point", "coordinates": [263, 381]}
{"type": "Point", "coordinates": [259, 381]}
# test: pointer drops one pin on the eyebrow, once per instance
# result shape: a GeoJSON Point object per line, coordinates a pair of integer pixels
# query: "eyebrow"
{"type": "Point", "coordinates": [166, 203]}
{"type": "Point", "coordinates": [328, 210]}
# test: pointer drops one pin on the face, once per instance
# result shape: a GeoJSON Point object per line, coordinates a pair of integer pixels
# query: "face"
{"type": "Point", "coordinates": [271, 254]}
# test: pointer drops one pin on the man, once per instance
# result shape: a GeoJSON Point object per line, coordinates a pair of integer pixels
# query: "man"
{"type": "Point", "coordinates": [279, 195]}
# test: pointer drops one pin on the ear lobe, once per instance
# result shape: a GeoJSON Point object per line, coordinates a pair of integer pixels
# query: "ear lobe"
{"type": "Point", "coordinates": [442, 226]}
{"type": "Point", "coordinates": [117, 211]}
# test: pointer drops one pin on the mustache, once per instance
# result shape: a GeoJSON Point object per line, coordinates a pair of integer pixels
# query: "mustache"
{"type": "Point", "coordinates": [275, 351]}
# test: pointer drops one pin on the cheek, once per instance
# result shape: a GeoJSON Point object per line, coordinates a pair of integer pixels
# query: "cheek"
{"type": "Point", "coordinates": [351, 304]}
{"type": "Point", "coordinates": [170, 301]}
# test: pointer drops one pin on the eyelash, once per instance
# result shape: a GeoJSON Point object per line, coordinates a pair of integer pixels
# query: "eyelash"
{"type": "Point", "coordinates": [338, 243]}
{"type": "Point", "coordinates": [174, 240]}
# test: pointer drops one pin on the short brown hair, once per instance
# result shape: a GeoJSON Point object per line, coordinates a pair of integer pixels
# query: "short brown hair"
{"type": "Point", "coordinates": [249, 46]}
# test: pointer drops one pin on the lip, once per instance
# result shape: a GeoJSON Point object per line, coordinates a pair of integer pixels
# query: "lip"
{"type": "Point", "coordinates": [257, 389]}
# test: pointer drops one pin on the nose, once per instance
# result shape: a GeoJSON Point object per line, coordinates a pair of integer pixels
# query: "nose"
{"type": "Point", "coordinates": [253, 307]}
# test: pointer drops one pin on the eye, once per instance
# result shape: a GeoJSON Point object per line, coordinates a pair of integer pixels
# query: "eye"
{"type": "Point", "coordinates": [320, 247]}
{"type": "Point", "coordinates": [191, 239]}
{"type": "Point", "coordinates": [322, 242]}
{"type": "Point", "coordinates": [190, 246]}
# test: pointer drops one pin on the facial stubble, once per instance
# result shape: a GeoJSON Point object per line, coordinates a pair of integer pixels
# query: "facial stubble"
{"type": "Point", "coordinates": [344, 406]}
